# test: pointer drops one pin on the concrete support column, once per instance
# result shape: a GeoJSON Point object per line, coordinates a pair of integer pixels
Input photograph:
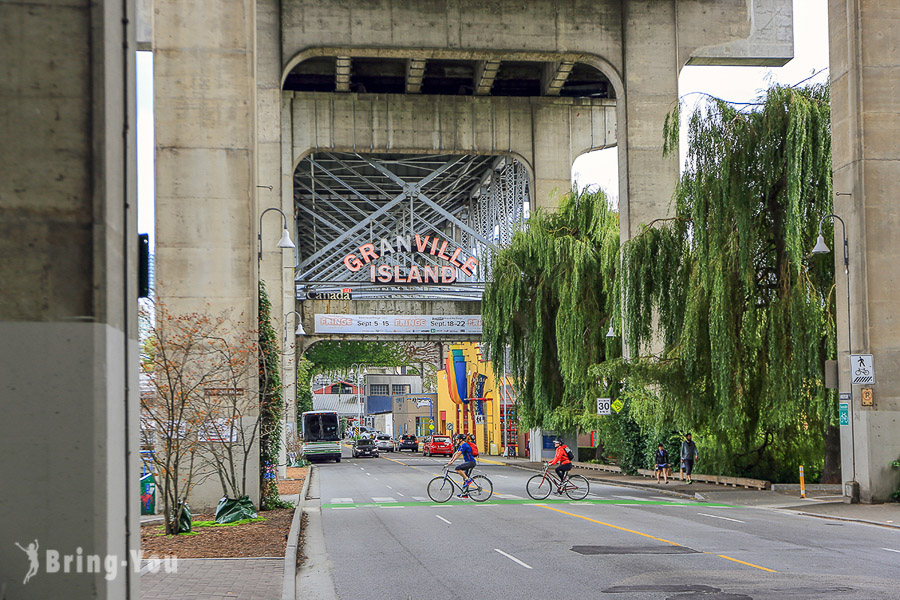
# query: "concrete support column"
{"type": "Point", "coordinates": [646, 178]}
{"type": "Point", "coordinates": [206, 169]}
{"type": "Point", "coordinates": [276, 268]}
{"type": "Point", "coordinates": [553, 153]}
{"type": "Point", "coordinates": [68, 309]}
{"type": "Point", "coordinates": [865, 66]}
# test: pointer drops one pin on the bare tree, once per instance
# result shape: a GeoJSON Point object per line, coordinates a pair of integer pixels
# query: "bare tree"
{"type": "Point", "coordinates": [183, 358]}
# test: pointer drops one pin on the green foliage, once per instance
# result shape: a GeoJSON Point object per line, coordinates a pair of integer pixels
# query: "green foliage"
{"type": "Point", "coordinates": [741, 315]}
{"type": "Point", "coordinates": [305, 373]}
{"type": "Point", "coordinates": [271, 404]}
{"type": "Point", "coordinates": [552, 298]}
{"type": "Point", "coordinates": [338, 355]}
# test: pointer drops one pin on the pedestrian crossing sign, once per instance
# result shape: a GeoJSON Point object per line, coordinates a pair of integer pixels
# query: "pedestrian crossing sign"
{"type": "Point", "coordinates": [618, 405]}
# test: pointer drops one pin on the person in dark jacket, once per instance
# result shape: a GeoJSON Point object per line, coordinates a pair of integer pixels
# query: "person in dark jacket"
{"type": "Point", "coordinates": [688, 455]}
{"type": "Point", "coordinates": [661, 460]}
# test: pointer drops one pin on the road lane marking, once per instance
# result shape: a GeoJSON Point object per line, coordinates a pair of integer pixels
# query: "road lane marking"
{"type": "Point", "coordinates": [746, 563]}
{"type": "Point", "coordinates": [381, 499]}
{"type": "Point", "coordinates": [423, 501]}
{"type": "Point", "coordinates": [342, 500]}
{"type": "Point", "coordinates": [653, 537]}
{"type": "Point", "coordinates": [512, 558]}
{"type": "Point", "coordinates": [610, 525]}
{"type": "Point", "coordinates": [369, 474]}
{"type": "Point", "coordinates": [398, 493]}
{"type": "Point", "coordinates": [388, 487]}
{"type": "Point", "coordinates": [443, 519]}
{"type": "Point", "coordinates": [344, 507]}
{"type": "Point", "coordinates": [723, 518]}
{"type": "Point", "coordinates": [891, 550]}
{"type": "Point", "coordinates": [630, 498]}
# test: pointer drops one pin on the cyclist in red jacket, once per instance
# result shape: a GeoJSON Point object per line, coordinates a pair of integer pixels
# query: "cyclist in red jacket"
{"type": "Point", "coordinates": [565, 465]}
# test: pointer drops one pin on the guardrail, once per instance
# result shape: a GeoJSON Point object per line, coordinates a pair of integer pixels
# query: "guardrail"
{"type": "Point", "coordinates": [745, 482]}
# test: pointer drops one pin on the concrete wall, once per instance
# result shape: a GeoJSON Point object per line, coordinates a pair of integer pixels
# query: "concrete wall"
{"type": "Point", "coordinates": [68, 355]}
{"type": "Point", "coordinates": [865, 80]}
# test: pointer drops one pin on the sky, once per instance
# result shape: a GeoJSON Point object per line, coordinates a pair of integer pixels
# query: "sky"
{"type": "Point", "coordinates": [738, 84]}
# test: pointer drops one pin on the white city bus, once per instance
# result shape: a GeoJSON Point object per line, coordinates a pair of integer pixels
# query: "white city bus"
{"type": "Point", "coordinates": [321, 435]}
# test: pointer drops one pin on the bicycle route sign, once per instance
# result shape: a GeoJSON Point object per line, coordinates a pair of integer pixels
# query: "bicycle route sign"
{"type": "Point", "coordinates": [862, 369]}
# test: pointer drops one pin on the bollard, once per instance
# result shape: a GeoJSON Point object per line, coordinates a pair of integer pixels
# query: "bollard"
{"type": "Point", "coordinates": [802, 484]}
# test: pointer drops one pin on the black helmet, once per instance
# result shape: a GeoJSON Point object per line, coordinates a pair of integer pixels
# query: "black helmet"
{"type": "Point", "coordinates": [460, 436]}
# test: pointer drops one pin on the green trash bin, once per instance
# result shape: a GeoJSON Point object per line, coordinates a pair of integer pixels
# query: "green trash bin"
{"type": "Point", "coordinates": [148, 494]}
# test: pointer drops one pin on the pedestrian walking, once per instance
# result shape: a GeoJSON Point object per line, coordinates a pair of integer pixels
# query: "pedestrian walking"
{"type": "Point", "coordinates": [688, 455]}
{"type": "Point", "coordinates": [661, 460]}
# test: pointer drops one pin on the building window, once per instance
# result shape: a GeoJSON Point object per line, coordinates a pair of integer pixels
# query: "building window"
{"type": "Point", "coordinates": [423, 426]}
{"type": "Point", "coordinates": [341, 388]}
{"type": "Point", "coordinates": [398, 389]}
{"type": "Point", "coordinates": [378, 389]}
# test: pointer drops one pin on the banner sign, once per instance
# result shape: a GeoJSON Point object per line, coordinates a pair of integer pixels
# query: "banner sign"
{"type": "Point", "coordinates": [399, 324]}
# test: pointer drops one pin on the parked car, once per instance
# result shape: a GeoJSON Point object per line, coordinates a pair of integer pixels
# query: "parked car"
{"type": "Point", "coordinates": [365, 447]}
{"type": "Point", "coordinates": [367, 432]}
{"type": "Point", "coordinates": [384, 442]}
{"type": "Point", "coordinates": [438, 444]}
{"type": "Point", "coordinates": [408, 442]}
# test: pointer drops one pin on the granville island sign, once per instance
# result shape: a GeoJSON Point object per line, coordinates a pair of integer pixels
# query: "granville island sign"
{"type": "Point", "coordinates": [367, 254]}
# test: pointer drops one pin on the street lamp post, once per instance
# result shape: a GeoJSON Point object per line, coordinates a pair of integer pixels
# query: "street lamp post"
{"type": "Point", "coordinates": [359, 367]}
{"type": "Point", "coordinates": [822, 248]}
{"type": "Point", "coordinates": [284, 242]}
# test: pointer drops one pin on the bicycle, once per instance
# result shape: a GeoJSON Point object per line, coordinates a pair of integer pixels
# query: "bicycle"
{"type": "Point", "coordinates": [539, 487]}
{"type": "Point", "coordinates": [441, 488]}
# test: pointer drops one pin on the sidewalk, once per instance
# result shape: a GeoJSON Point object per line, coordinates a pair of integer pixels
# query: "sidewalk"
{"type": "Point", "coordinates": [822, 504]}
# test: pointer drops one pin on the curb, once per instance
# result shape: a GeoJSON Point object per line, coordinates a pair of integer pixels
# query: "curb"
{"type": "Point", "coordinates": [635, 486]}
{"type": "Point", "coordinates": [289, 584]}
{"type": "Point", "coordinates": [845, 519]}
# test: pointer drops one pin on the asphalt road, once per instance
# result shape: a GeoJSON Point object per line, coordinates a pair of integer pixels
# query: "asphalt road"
{"type": "Point", "coordinates": [386, 539]}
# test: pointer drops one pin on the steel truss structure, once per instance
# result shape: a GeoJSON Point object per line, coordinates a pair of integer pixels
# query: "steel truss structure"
{"type": "Point", "coordinates": [345, 200]}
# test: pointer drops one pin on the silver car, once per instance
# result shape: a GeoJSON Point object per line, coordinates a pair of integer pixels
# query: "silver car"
{"type": "Point", "coordinates": [384, 443]}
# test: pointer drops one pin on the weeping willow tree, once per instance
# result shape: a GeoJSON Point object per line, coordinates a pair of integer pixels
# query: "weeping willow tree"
{"type": "Point", "coordinates": [728, 316]}
{"type": "Point", "coordinates": [554, 289]}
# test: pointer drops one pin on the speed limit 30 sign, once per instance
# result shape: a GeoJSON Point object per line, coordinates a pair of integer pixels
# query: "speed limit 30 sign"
{"type": "Point", "coordinates": [604, 406]}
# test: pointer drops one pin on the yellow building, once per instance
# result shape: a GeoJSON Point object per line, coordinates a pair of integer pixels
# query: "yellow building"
{"type": "Point", "coordinates": [496, 428]}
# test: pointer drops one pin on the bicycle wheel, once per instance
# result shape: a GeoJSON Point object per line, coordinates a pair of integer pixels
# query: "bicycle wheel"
{"type": "Point", "coordinates": [577, 487]}
{"type": "Point", "coordinates": [440, 489]}
{"type": "Point", "coordinates": [539, 487]}
{"type": "Point", "coordinates": [481, 488]}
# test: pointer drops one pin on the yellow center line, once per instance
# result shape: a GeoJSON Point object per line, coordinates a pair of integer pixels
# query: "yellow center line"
{"type": "Point", "coordinates": [609, 525]}
{"type": "Point", "coordinates": [746, 563]}
{"type": "Point", "coordinates": [650, 536]}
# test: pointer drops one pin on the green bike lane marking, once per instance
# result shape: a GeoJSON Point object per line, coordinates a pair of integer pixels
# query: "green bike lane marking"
{"type": "Point", "coordinates": [527, 501]}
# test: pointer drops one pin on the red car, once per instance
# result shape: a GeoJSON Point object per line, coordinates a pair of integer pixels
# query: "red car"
{"type": "Point", "coordinates": [438, 444]}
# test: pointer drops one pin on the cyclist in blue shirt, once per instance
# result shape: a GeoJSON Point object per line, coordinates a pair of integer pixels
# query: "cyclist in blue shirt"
{"type": "Point", "coordinates": [465, 467]}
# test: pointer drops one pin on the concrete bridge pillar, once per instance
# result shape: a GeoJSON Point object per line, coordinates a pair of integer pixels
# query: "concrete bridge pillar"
{"type": "Point", "coordinates": [68, 319]}
{"type": "Point", "coordinates": [865, 116]}
{"type": "Point", "coordinates": [208, 204]}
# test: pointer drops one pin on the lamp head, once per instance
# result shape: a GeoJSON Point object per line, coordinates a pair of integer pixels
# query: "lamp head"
{"type": "Point", "coordinates": [820, 247]}
{"type": "Point", "coordinates": [285, 241]}
{"type": "Point", "coordinates": [299, 330]}
{"type": "Point", "coordinates": [611, 333]}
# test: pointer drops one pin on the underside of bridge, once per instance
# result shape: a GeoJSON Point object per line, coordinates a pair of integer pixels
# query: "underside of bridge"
{"type": "Point", "coordinates": [425, 216]}
{"type": "Point", "coordinates": [480, 76]}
